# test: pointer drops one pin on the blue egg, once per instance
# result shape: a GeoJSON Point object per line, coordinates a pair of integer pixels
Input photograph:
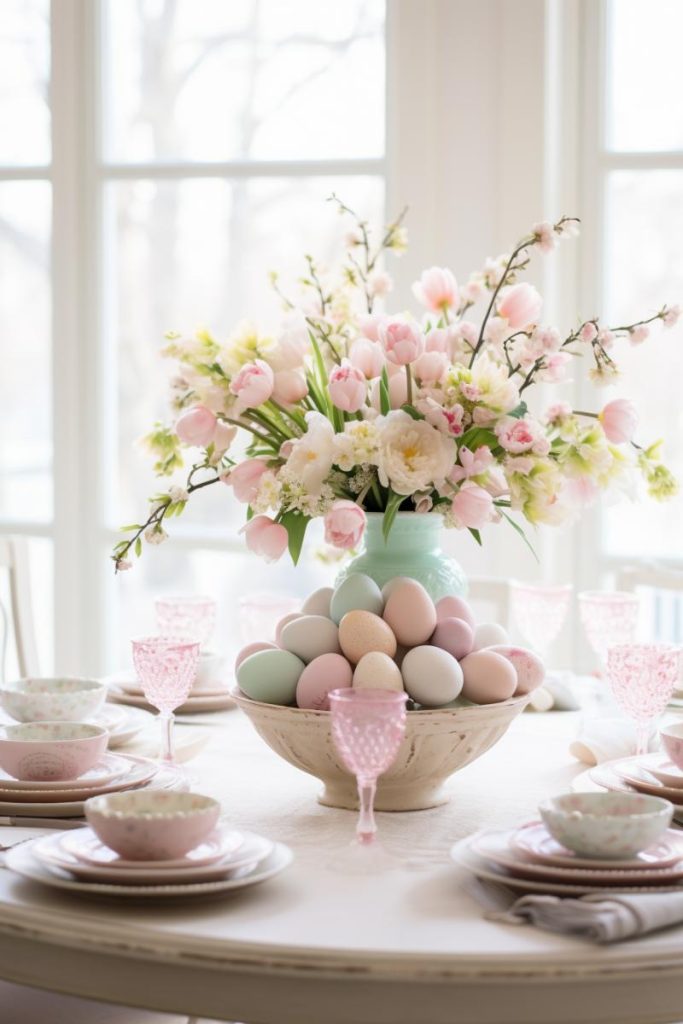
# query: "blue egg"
{"type": "Point", "coordinates": [356, 593]}
{"type": "Point", "coordinates": [270, 676]}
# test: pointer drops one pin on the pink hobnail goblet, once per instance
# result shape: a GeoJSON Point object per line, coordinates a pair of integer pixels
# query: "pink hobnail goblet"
{"type": "Point", "coordinates": [539, 611]}
{"type": "Point", "coordinates": [608, 618]}
{"type": "Point", "coordinates": [367, 728]}
{"type": "Point", "coordinates": [166, 668]}
{"type": "Point", "coordinates": [642, 678]}
{"type": "Point", "coordinates": [186, 616]}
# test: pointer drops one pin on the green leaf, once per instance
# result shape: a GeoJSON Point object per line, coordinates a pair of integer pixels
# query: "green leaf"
{"type": "Point", "coordinates": [384, 400]}
{"type": "Point", "coordinates": [475, 534]}
{"type": "Point", "coordinates": [250, 513]}
{"type": "Point", "coordinates": [138, 546]}
{"type": "Point", "coordinates": [520, 531]}
{"type": "Point", "coordinates": [412, 412]}
{"type": "Point", "coordinates": [295, 524]}
{"type": "Point", "coordinates": [519, 411]}
{"type": "Point", "coordinates": [131, 526]}
{"type": "Point", "coordinates": [393, 504]}
{"type": "Point", "coordinates": [475, 437]}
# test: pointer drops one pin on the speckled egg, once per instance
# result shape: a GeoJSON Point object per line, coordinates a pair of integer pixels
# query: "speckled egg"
{"type": "Point", "coordinates": [323, 674]}
{"type": "Point", "coordinates": [529, 667]}
{"type": "Point", "coordinates": [377, 671]}
{"type": "Point", "coordinates": [488, 677]}
{"type": "Point", "coordinates": [455, 608]}
{"type": "Point", "coordinates": [270, 676]}
{"type": "Point", "coordinates": [309, 636]}
{"type": "Point", "coordinates": [282, 623]}
{"type": "Point", "coordinates": [489, 633]}
{"type": "Point", "coordinates": [356, 593]}
{"type": "Point", "coordinates": [410, 612]}
{"type": "Point", "coordinates": [318, 603]}
{"type": "Point", "coordinates": [252, 649]}
{"type": "Point", "coordinates": [431, 676]}
{"type": "Point", "coordinates": [361, 632]}
{"type": "Point", "coordinates": [454, 636]}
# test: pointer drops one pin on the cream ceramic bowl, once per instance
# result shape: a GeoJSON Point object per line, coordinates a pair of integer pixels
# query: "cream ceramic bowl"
{"type": "Point", "coordinates": [63, 699]}
{"type": "Point", "coordinates": [672, 740]}
{"type": "Point", "coordinates": [612, 825]}
{"type": "Point", "coordinates": [437, 743]}
{"type": "Point", "coordinates": [50, 751]}
{"type": "Point", "coordinates": [152, 825]}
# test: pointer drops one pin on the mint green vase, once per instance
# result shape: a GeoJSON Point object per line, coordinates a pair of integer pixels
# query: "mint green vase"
{"type": "Point", "coordinates": [412, 549]}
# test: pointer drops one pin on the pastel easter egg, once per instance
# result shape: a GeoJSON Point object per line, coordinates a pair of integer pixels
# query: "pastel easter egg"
{"type": "Point", "coordinates": [284, 621]}
{"type": "Point", "coordinates": [453, 607]}
{"type": "Point", "coordinates": [488, 677]}
{"type": "Point", "coordinates": [377, 671]}
{"type": "Point", "coordinates": [318, 603]}
{"type": "Point", "coordinates": [410, 612]}
{"type": "Point", "coordinates": [431, 676]}
{"type": "Point", "coordinates": [489, 633]}
{"type": "Point", "coordinates": [361, 632]}
{"type": "Point", "coordinates": [309, 636]}
{"type": "Point", "coordinates": [529, 667]}
{"type": "Point", "coordinates": [356, 593]}
{"type": "Point", "coordinates": [391, 585]}
{"type": "Point", "coordinates": [454, 636]}
{"type": "Point", "coordinates": [270, 676]}
{"type": "Point", "coordinates": [323, 674]}
{"type": "Point", "coordinates": [250, 649]}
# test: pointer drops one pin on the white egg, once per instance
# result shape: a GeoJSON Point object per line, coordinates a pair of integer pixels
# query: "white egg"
{"type": "Point", "coordinates": [431, 676]}
{"type": "Point", "coordinates": [309, 636]}
{"type": "Point", "coordinates": [489, 633]}
{"type": "Point", "coordinates": [318, 603]}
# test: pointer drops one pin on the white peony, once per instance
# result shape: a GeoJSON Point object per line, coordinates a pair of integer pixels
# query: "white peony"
{"type": "Point", "coordinates": [413, 456]}
{"type": "Point", "coordinates": [357, 446]}
{"type": "Point", "coordinates": [312, 455]}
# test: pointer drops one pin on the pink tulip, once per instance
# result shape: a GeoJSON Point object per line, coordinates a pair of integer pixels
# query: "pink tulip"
{"type": "Point", "coordinates": [437, 340]}
{"type": "Point", "coordinates": [367, 356]}
{"type": "Point", "coordinates": [472, 506]}
{"type": "Point", "coordinates": [431, 366]}
{"type": "Point", "coordinates": [520, 305]}
{"type": "Point", "coordinates": [398, 392]}
{"type": "Point", "coordinates": [619, 420]}
{"type": "Point", "coordinates": [347, 387]}
{"type": "Point", "coordinates": [344, 524]}
{"type": "Point", "coordinates": [265, 538]}
{"type": "Point", "coordinates": [437, 289]}
{"type": "Point", "coordinates": [224, 436]}
{"type": "Point", "coordinates": [254, 384]}
{"type": "Point", "coordinates": [245, 479]}
{"type": "Point", "coordinates": [369, 325]}
{"type": "Point", "coordinates": [196, 426]}
{"type": "Point", "coordinates": [289, 386]}
{"type": "Point", "coordinates": [402, 341]}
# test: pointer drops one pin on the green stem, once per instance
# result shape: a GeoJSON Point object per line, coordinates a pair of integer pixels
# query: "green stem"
{"type": "Point", "coordinates": [409, 382]}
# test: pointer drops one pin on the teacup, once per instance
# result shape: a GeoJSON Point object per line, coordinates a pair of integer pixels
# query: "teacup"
{"type": "Point", "coordinates": [50, 751]}
{"type": "Point", "coordinates": [152, 824]}
{"type": "Point", "coordinates": [610, 825]}
{"type": "Point", "coordinates": [209, 671]}
{"type": "Point", "coordinates": [53, 699]}
{"type": "Point", "coordinates": [672, 740]}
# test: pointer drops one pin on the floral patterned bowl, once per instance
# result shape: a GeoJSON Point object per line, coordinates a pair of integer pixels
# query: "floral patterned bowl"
{"type": "Point", "coordinates": [50, 751]}
{"type": "Point", "coordinates": [672, 740]}
{"type": "Point", "coordinates": [611, 825]}
{"type": "Point", "coordinates": [153, 825]}
{"type": "Point", "coordinates": [64, 699]}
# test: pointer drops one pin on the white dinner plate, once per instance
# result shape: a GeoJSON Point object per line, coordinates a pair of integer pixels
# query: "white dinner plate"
{"type": "Point", "coordinates": [83, 844]}
{"type": "Point", "coordinates": [20, 859]}
{"type": "Point", "coordinates": [193, 704]}
{"type": "Point", "coordinates": [108, 769]}
{"type": "Point", "coordinates": [123, 722]}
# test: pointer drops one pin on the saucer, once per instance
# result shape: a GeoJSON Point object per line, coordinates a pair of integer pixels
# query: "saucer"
{"type": "Point", "coordinates": [137, 770]}
{"type": "Point", "coordinates": [123, 722]}
{"type": "Point", "coordinates": [535, 842]}
{"type": "Point", "coordinates": [84, 845]}
{"type": "Point", "coordinates": [108, 769]}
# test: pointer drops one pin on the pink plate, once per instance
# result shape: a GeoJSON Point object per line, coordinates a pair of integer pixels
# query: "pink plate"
{"type": "Point", "coordinates": [138, 771]}
{"type": "Point", "coordinates": [495, 848]}
{"type": "Point", "coordinates": [640, 779]}
{"type": "Point", "coordinates": [664, 770]}
{"type": "Point", "coordinates": [107, 769]}
{"type": "Point", "coordinates": [534, 842]}
{"type": "Point", "coordinates": [87, 848]}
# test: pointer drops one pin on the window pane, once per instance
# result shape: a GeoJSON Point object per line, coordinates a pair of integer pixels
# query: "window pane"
{"type": "Point", "coordinates": [645, 74]}
{"type": "Point", "coordinates": [193, 253]}
{"type": "Point", "coordinates": [24, 81]}
{"type": "Point", "coordinates": [259, 79]}
{"type": "Point", "coordinates": [25, 397]}
{"type": "Point", "coordinates": [644, 269]}
{"type": "Point", "coordinates": [41, 582]}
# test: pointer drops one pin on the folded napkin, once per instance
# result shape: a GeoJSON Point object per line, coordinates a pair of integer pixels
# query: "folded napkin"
{"type": "Point", "coordinates": [604, 739]}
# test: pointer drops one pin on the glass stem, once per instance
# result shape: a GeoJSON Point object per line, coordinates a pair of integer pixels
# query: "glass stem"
{"type": "Point", "coordinates": [366, 828]}
{"type": "Point", "coordinates": [166, 718]}
{"type": "Point", "coordinates": [642, 737]}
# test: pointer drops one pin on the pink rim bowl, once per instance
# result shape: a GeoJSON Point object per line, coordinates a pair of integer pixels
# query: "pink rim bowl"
{"type": "Point", "coordinates": [153, 825]}
{"type": "Point", "coordinates": [611, 825]}
{"type": "Point", "coordinates": [50, 751]}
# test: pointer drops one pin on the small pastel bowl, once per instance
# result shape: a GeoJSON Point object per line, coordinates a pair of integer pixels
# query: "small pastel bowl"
{"type": "Point", "coordinates": [50, 751]}
{"type": "Point", "coordinates": [152, 824]}
{"type": "Point", "coordinates": [64, 699]}
{"type": "Point", "coordinates": [209, 671]}
{"type": "Point", "coordinates": [672, 741]}
{"type": "Point", "coordinates": [607, 825]}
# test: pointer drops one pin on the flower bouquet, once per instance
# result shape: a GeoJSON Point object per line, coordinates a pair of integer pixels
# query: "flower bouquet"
{"type": "Point", "coordinates": [350, 409]}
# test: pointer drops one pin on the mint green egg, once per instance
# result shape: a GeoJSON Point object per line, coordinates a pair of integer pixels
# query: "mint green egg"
{"type": "Point", "coordinates": [356, 593]}
{"type": "Point", "coordinates": [270, 676]}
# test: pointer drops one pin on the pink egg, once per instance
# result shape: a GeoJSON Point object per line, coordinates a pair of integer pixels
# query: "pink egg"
{"type": "Point", "coordinates": [410, 613]}
{"type": "Point", "coordinates": [454, 636]}
{"type": "Point", "coordinates": [282, 623]}
{"type": "Point", "coordinates": [252, 649]}
{"type": "Point", "coordinates": [488, 677]}
{"type": "Point", "coordinates": [454, 608]}
{"type": "Point", "coordinates": [529, 667]}
{"type": "Point", "coordinates": [323, 674]}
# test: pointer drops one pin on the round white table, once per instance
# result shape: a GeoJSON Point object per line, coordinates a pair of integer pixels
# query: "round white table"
{"type": "Point", "coordinates": [315, 947]}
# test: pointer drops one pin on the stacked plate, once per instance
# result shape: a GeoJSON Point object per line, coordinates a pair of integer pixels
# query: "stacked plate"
{"type": "Point", "coordinates": [528, 859]}
{"type": "Point", "coordinates": [124, 688]}
{"type": "Point", "coordinates": [65, 799]}
{"type": "Point", "coordinates": [654, 774]}
{"type": "Point", "coordinates": [122, 723]}
{"type": "Point", "coordinates": [78, 862]}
